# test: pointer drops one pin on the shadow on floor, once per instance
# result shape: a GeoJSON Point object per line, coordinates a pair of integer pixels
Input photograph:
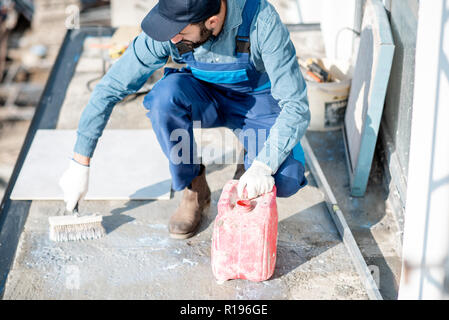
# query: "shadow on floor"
{"type": "Point", "coordinates": [304, 236]}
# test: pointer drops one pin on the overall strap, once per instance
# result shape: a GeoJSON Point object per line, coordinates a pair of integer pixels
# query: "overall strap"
{"type": "Point", "coordinates": [242, 43]}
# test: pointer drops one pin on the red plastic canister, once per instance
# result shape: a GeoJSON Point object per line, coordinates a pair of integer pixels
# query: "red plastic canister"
{"type": "Point", "coordinates": [245, 236]}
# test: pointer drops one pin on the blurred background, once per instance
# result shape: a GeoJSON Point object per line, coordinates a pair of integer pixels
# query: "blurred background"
{"type": "Point", "coordinates": [31, 33]}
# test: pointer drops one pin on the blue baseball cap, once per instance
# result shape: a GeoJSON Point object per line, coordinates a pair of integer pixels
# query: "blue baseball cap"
{"type": "Point", "coordinates": [169, 17]}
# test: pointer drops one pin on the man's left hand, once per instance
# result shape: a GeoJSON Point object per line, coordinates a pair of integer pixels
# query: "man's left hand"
{"type": "Point", "coordinates": [257, 179]}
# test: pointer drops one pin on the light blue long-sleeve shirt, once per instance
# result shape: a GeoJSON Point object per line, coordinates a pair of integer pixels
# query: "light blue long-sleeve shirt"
{"type": "Point", "coordinates": [271, 51]}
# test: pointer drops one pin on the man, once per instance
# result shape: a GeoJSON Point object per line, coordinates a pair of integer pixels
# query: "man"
{"type": "Point", "coordinates": [241, 73]}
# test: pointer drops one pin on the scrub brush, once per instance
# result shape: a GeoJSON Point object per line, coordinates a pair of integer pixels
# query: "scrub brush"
{"type": "Point", "coordinates": [75, 227]}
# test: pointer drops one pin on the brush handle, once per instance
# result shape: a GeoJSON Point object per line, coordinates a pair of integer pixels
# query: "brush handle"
{"type": "Point", "coordinates": [75, 210]}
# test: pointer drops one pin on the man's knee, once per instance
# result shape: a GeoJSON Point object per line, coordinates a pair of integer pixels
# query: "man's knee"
{"type": "Point", "coordinates": [164, 93]}
{"type": "Point", "coordinates": [290, 180]}
{"type": "Point", "coordinates": [288, 186]}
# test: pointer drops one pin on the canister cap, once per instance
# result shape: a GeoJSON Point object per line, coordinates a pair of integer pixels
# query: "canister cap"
{"type": "Point", "coordinates": [245, 205]}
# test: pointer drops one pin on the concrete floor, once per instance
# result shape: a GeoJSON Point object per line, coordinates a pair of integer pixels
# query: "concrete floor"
{"type": "Point", "coordinates": [137, 259]}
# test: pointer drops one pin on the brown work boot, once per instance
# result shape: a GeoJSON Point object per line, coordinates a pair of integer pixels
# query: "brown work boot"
{"type": "Point", "coordinates": [187, 217]}
{"type": "Point", "coordinates": [239, 171]}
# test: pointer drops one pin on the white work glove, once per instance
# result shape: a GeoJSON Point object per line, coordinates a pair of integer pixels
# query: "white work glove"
{"type": "Point", "coordinates": [74, 183]}
{"type": "Point", "coordinates": [257, 179]}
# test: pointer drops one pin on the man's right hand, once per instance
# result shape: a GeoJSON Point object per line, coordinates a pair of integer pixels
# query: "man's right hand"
{"type": "Point", "coordinates": [74, 183]}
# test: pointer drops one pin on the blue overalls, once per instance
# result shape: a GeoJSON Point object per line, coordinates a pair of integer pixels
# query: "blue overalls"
{"type": "Point", "coordinates": [233, 95]}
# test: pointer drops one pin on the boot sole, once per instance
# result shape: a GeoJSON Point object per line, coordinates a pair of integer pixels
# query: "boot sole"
{"type": "Point", "coordinates": [182, 236]}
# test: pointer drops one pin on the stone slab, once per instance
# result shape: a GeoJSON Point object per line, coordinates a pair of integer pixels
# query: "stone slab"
{"type": "Point", "coordinates": [127, 164]}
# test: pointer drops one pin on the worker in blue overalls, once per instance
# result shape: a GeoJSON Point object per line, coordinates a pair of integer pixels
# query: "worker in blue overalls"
{"type": "Point", "coordinates": [241, 72]}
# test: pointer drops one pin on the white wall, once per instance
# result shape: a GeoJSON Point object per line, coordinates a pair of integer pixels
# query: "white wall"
{"type": "Point", "coordinates": [309, 11]}
{"type": "Point", "coordinates": [336, 18]}
{"type": "Point", "coordinates": [426, 229]}
{"type": "Point", "coordinates": [130, 12]}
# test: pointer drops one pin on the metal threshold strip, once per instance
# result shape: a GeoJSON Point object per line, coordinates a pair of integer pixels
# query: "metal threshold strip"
{"type": "Point", "coordinates": [340, 222]}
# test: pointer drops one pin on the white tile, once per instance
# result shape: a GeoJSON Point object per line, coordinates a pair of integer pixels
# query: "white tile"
{"type": "Point", "coordinates": [367, 94]}
{"type": "Point", "coordinates": [127, 164]}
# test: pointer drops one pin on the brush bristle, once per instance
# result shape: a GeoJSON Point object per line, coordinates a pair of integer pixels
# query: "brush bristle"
{"type": "Point", "coordinates": [72, 228]}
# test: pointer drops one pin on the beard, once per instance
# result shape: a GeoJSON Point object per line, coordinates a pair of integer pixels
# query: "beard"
{"type": "Point", "coordinates": [205, 35]}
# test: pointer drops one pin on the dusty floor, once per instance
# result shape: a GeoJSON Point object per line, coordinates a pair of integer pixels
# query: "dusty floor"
{"type": "Point", "coordinates": [137, 259]}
